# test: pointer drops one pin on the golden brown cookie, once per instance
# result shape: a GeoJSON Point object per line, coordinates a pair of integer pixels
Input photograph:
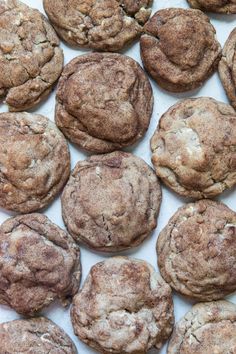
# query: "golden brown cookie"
{"type": "Point", "coordinates": [197, 250]}
{"type": "Point", "coordinates": [104, 102]}
{"type": "Point", "coordinates": [179, 49]}
{"type": "Point", "coordinates": [31, 60]}
{"type": "Point", "coordinates": [208, 328]}
{"type": "Point", "coordinates": [106, 25]}
{"type": "Point", "coordinates": [123, 307]}
{"type": "Point", "coordinates": [111, 202]}
{"type": "Point", "coordinates": [194, 147]}
{"type": "Point", "coordinates": [39, 263]}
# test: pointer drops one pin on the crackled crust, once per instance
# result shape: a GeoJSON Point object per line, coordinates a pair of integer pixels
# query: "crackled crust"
{"type": "Point", "coordinates": [31, 60]}
{"type": "Point", "coordinates": [111, 202]}
{"type": "Point", "coordinates": [208, 328]}
{"type": "Point", "coordinates": [227, 67]}
{"type": "Point", "coordinates": [179, 49]}
{"type": "Point", "coordinates": [197, 250]}
{"type": "Point", "coordinates": [104, 102]}
{"type": "Point", "coordinates": [194, 147]}
{"type": "Point", "coordinates": [39, 262]}
{"type": "Point", "coordinates": [36, 335]}
{"type": "Point", "coordinates": [218, 6]}
{"type": "Point", "coordinates": [106, 25]}
{"type": "Point", "coordinates": [34, 160]}
{"type": "Point", "coordinates": [123, 307]}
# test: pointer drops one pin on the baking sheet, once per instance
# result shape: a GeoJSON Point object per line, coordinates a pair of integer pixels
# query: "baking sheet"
{"type": "Point", "coordinates": [170, 203]}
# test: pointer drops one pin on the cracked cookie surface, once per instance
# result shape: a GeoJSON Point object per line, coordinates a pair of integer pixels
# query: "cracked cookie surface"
{"type": "Point", "coordinates": [179, 49]}
{"type": "Point", "coordinates": [123, 307]}
{"type": "Point", "coordinates": [194, 147]}
{"type": "Point", "coordinates": [34, 336]}
{"type": "Point", "coordinates": [197, 251]}
{"type": "Point", "coordinates": [39, 262]}
{"type": "Point", "coordinates": [31, 60]}
{"type": "Point", "coordinates": [111, 202]}
{"type": "Point", "coordinates": [104, 102]}
{"type": "Point", "coordinates": [218, 6]}
{"type": "Point", "coordinates": [208, 328]}
{"type": "Point", "coordinates": [34, 161]}
{"type": "Point", "coordinates": [107, 25]}
{"type": "Point", "coordinates": [227, 67]}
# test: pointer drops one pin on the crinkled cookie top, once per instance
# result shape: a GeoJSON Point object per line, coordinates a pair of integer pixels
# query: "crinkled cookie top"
{"type": "Point", "coordinates": [39, 262]}
{"type": "Point", "coordinates": [30, 57]}
{"type": "Point", "coordinates": [111, 202]}
{"type": "Point", "coordinates": [123, 307]}
{"type": "Point", "coordinates": [197, 250]}
{"type": "Point", "coordinates": [34, 336]}
{"type": "Point", "coordinates": [218, 6]}
{"type": "Point", "coordinates": [106, 25]}
{"type": "Point", "coordinates": [194, 147]}
{"type": "Point", "coordinates": [34, 161]}
{"type": "Point", "coordinates": [104, 101]}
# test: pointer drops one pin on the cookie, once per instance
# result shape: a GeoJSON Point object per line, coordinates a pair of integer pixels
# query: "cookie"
{"type": "Point", "coordinates": [208, 328]}
{"type": "Point", "coordinates": [111, 202]}
{"type": "Point", "coordinates": [197, 251]}
{"type": "Point", "coordinates": [34, 160]}
{"type": "Point", "coordinates": [39, 262]}
{"type": "Point", "coordinates": [104, 102]}
{"type": "Point", "coordinates": [36, 335]}
{"type": "Point", "coordinates": [179, 49]}
{"type": "Point", "coordinates": [123, 307]}
{"type": "Point", "coordinates": [30, 57]}
{"type": "Point", "coordinates": [218, 6]}
{"type": "Point", "coordinates": [194, 147]}
{"type": "Point", "coordinates": [227, 70]}
{"type": "Point", "coordinates": [107, 25]}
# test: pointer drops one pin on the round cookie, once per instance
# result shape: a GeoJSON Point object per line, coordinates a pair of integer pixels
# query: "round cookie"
{"type": "Point", "coordinates": [39, 262]}
{"type": "Point", "coordinates": [31, 60]}
{"type": "Point", "coordinates": [107, 25]}
{"type": "Point", "coordinates": [36, 335]}
{"type": "Point", "coordinates": [34, 160]}
{"type": "Point", "coordinates": [123, 307]}
{"type": "Point", "coordinates": [194, 147]}
{"type": "Point", "coordinates": [197, 250]}
{"type": "Point", "coordinates": [218, 6]}
{"type": "Point", "coordinates": [179, 49]}
{"type": "Point", "coordinates": [208, 328]}
{"type": "Point", "coordinates": [227, 67]}
{"type": "Point", "coordinates": [104, 102]}
{"type": "Point", "coordinates": [111, 202]}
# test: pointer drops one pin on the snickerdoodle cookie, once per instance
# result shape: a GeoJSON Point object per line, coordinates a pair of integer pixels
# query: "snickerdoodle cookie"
{"type": "Point", "coordinates": [39, 263]}
{"type": "Point", "coordinates": [197, 250]}
{"type": "Point", "coordinates": [104, 102]}
{"type": "Point", "coordinates": [179, 49]}
{"type": "Point", "coordinates": [111, 202]}
{"type": "Point", "coordinates": [123, 307]}
{"type": "Point", "coordinates": [30, 57]}
{"type": "Point", "coordinates": [194, 147]}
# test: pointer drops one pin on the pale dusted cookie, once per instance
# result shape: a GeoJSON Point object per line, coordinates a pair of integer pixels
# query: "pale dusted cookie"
{"type": "Point", "coordinates": [111, 202]}
{"type": "Point", "coordinates": [194, 147]}
{"type": "Point", "coordinates": [39, 263]}
{"type": "Point", "coordinates": [179, 49]}
{"type": "Point", "coordinates": [34, 336]}
{"type": "Point", "coordinates": [107, 25]}
{"type": "Point", "coordinates": [30, 57]}
{"type": "Point", "coordinates": [34, 160]}
{"type": "Point", "coordinates": [197, 250]}
{"type": "Point", "coordinates": [209, 328]}
{"type": "Point", "coordinates": [227, 67]}
{"type": "Point", "coordinates": [123, 307]}
{"type": "Point", "coordinates": [104, 102]}
{"type": "Point", "coordinates": [218, 6]}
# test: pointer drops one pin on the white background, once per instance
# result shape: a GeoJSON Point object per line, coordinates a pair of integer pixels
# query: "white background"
{"type": "Point", "coordinates": [162, 101]}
